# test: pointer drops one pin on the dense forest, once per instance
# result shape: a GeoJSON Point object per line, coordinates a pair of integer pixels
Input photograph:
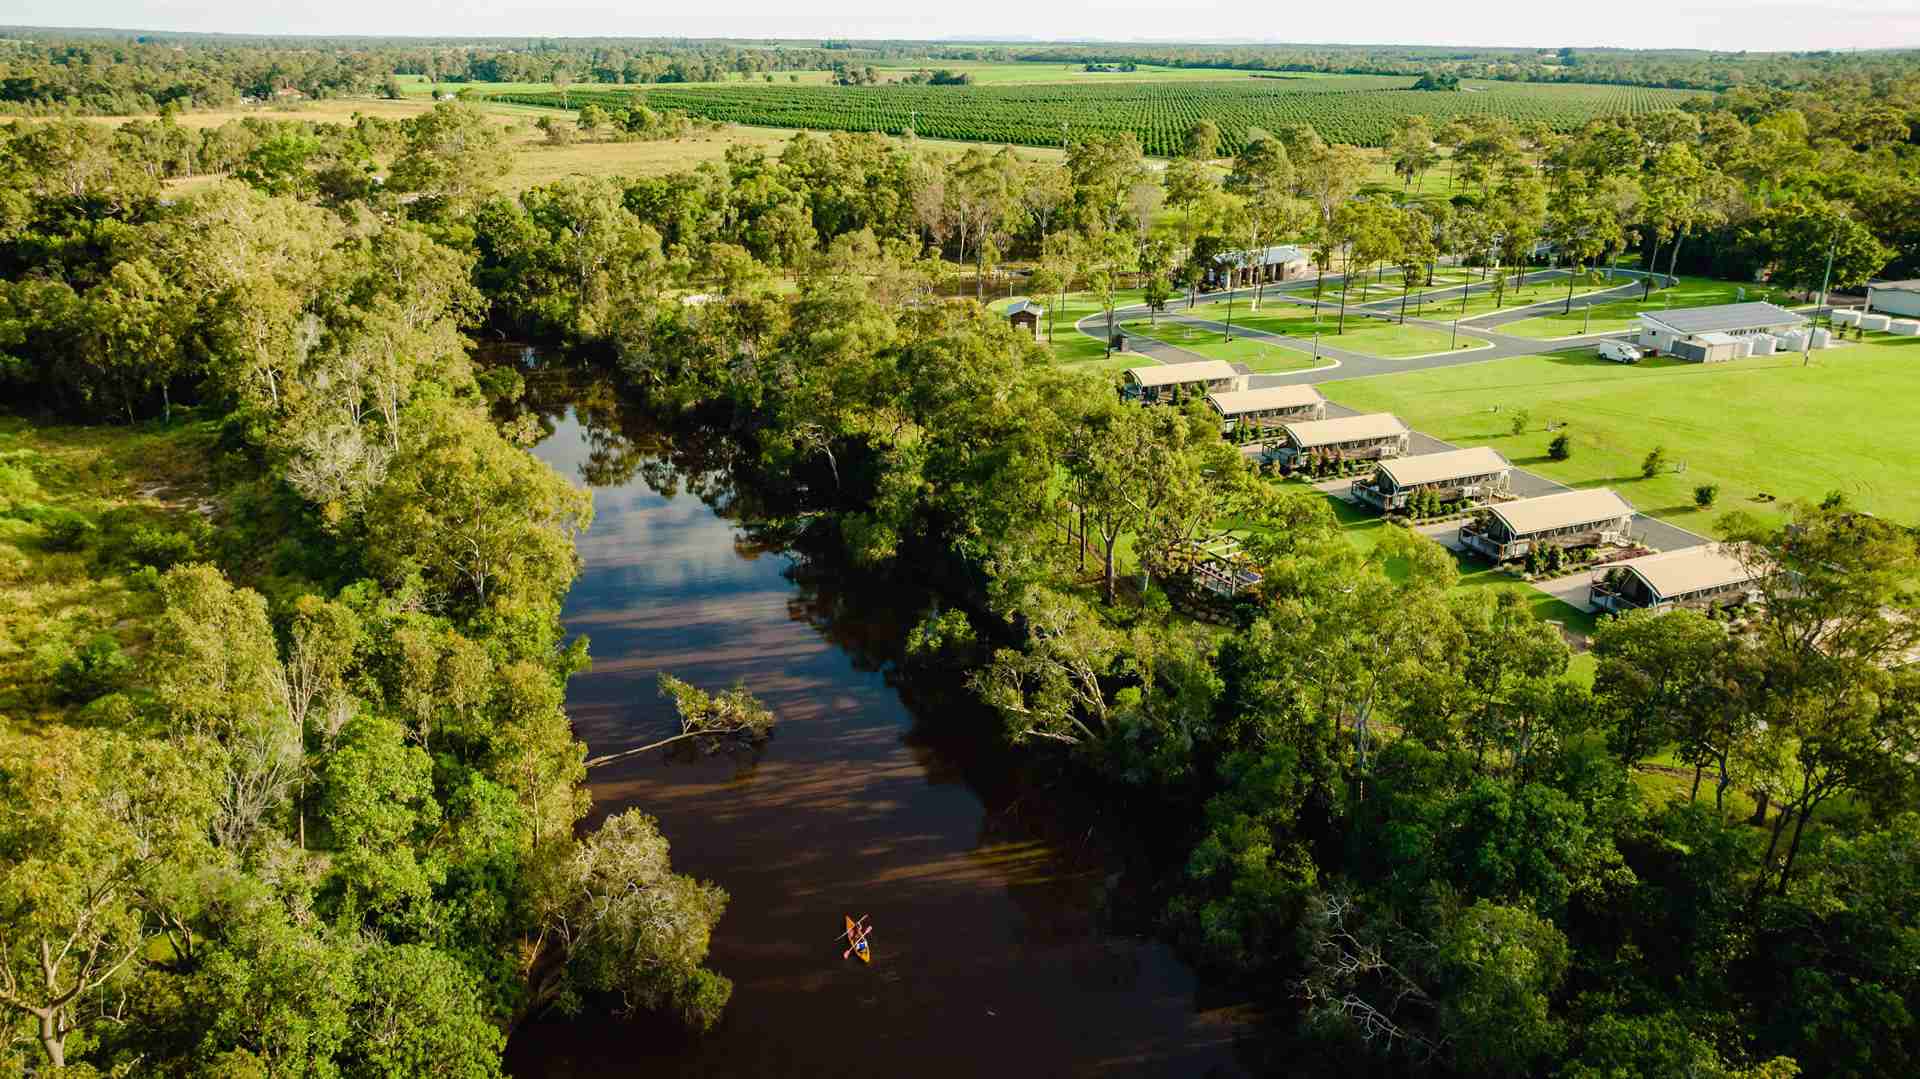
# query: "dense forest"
{"type": "Point", "coordinates": [286, 782]}
{"type": "Point", "coordinates": [79, 72]}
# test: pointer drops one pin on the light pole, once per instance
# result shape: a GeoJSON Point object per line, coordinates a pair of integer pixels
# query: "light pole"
{"type": "Point", "coordinates": [1826, 278]}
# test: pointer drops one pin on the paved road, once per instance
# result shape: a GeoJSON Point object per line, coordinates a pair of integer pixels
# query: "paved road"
{"type": "Point", "coordinates": [1339, 363]}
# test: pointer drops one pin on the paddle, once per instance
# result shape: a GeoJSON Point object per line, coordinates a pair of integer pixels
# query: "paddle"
{"type": "Point", "coordinates": [852, 941]}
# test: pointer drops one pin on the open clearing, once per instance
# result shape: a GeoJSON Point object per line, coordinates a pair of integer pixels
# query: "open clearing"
{"type": "Point", "coordinates": [1372, 336]}
{"type": "Point", "coordinates": [1259, 356]}
{"type": "Point", "coordinates": [1760, 425]}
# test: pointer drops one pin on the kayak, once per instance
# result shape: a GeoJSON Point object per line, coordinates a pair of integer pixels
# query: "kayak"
{"type": "Point", "coordinates": [860, 943]}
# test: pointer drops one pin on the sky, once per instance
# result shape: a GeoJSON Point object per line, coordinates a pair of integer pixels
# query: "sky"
{"type": "Point", "coordinates": [1759, 25]}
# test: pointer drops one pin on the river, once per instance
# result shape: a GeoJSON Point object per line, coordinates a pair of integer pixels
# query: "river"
{"type": "Point", "coordinates": [994, 942]}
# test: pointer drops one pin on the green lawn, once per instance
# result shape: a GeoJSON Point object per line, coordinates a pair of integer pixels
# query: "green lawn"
{"type": "Point", "coordinates": [1753, 426]}
{"type": "Point", "coordinates": [1619, 314]}
{"type": "Point", "coordinates": [1258, 355]}
{"type": "Point", "coordinates": [1445, 304]}
{"type": "Point", "coordinates": [1372, 336]}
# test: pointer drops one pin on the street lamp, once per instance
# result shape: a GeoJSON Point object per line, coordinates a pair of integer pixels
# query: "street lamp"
{"type": "Point", "coordinates": [1826, 278]}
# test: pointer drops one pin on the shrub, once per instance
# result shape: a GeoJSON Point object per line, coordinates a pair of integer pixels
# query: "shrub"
{"type": "Point", "coordinates": [1655, 460]}
{"type": "Point", "coordinates": [80, 674]}
{"type": "Point", "coordinates": [65, 530]}
{"type": "Point", "coordinates": [1705, 495]}
{"type": "Point", "coordinates": [161, 548]}
{"type": "Point", "coordinates": [1561, 447]}
{"type": "Point", "coordinates": [1521, 418]}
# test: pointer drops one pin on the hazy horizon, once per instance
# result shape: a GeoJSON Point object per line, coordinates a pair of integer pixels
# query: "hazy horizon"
{"type": "Point", "coordinates": [1759, 26]}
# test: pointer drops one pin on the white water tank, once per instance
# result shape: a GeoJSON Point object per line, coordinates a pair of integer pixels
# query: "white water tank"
{"type": "Point", "coordinates": [1792, 340]}
{"type": "Point", "coordinates": [1822, 337]}
{"type": "Point", "coordinates": [1763, 345]}
{"type": "Point", "coordinates": [1874, 322]}
{"type": "Point", "coordinates": [1846, 318]}
{"type": "Point", "coordinates": [1905, 327]}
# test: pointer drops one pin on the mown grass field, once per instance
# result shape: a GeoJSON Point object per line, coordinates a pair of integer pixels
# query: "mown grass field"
{"type": "Point", "coordinates": [1764, 425]}
{"type": "Point", "coordinates": [1619, 314]}
{"type": "Point", "coordinates": [1374, 337]}
{"type": "Point", "coordinates": [1258, 355]}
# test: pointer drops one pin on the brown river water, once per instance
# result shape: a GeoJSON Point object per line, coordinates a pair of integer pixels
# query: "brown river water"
{"type": "Point", "coordinates": [994, 952]}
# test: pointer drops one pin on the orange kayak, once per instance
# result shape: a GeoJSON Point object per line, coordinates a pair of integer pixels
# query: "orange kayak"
{"type": "Point", "coordinates": [860, 949]}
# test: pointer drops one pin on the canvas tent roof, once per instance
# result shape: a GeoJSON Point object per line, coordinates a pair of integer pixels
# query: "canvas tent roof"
{"type": "Point", "coordinates": [1239, 402]}
{"type": "Point", "coordinates": [1452, 464]}
{"type": "Point", "coordinates": [1310, 433]}
{"type": "Point", "coordinates": [1563, 510]}
{"type": "Point", "coordinates": [1169, 374]}
{"type": "Point", "coordinates": [1724, 317]}
{"type": "Point", "coordinates": [1690, 569]}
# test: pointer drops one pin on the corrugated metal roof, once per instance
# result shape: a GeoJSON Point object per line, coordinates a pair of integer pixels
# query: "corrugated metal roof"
{"type": "Point", "coordinates": [1690, 569]}
{"type": "Point", "coordinates": [1897, 286]}
{"type": "Point", "coordinates": [1563, 510]}
{"type": "Point", "coordinates": [1168, 374]}
{"type": "Point", "coordinates": [1018, 306]}
{"type": "Point", "coordinates": [1307, 434]}
{"type": "Point", "coordinates": [1268, 256]}
{"type": "Point", "coordinates": [1450, 465]}
{"type": "Point", "coordinates": [1716, 338]}
{"type": "Point", "coordinates": [1238, 402]}
{"type": "Point", "coordinates": [1729, 316]}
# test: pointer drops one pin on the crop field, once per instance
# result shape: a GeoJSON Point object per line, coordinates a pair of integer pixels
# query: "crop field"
{"type": "Point", "coordinates": [1356, 109]}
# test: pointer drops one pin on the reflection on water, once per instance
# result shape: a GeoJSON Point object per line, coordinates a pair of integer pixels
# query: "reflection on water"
{"type": "Point", "coordinates": [988, 954]}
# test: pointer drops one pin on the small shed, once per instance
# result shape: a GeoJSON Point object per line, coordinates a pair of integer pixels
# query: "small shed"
{"type": "Point", "coordinates": [1026, 315]}
{"type": "Point", "coordinates": [1708, 348]}
{"type": "Point", "coordinates": [1895, 297]}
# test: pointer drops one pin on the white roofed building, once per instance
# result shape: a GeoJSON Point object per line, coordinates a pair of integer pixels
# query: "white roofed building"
{"type": "Point", "coordinates": [1177, 381]}
{"type": "Point", "coordinates": [1366, 437]}
{"type": "Point", "coordinates": [1267, 407]}
{"type": "Point", "coordinates": [1689, 577]}
{"type": "Point", "coordinates": [1701, 333]}
{"type": "Point", "coordinates": [1583, 518]}
{"type": "Point", "coordinates": [1901, 298]}
{"type": "Point", "coordinates": [1468, 473]}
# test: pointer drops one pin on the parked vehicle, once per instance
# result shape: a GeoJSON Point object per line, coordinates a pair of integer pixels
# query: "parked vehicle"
{"type": "Point", "coordinates": [1619, 352]}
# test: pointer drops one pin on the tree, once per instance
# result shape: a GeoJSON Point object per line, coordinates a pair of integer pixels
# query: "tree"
{"type": "Point", "coordinates": [1654, 463]}
{"type": "Point", "coordinates": [1202, 142]}
{"type": "Point", "coordinates": [1189, 186]}
{"type": "Point", "coordinates": [1560, 447]}
{"type": "Point", "coordinates": [89, 819]}
{"type": "Point", "coordinates": [1155, 257]}
{"type": "Point", "coordinates": [1655, 677]}
{"type": "Point", "coordinates": [1411, 149]}
{"type": "Point", "coordinates": [1795, 239]}
{"type": "Point", "coordinates": [613, 917]}
{"type": "Point", "coordinates": [420, 1012]}
{"type": "Point", "coordinates": [714, 718]}
{"type": "Point", "coordinates": [1837, 607]}
{"type": "Point", "coordinates": [452, 156]}
{"type": "Point", "coordinates": [488, 524]}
